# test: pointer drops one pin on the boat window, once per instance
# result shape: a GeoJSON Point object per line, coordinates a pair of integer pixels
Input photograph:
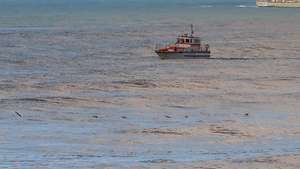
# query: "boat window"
{"type": "Point", "coordinates": [187, 41]}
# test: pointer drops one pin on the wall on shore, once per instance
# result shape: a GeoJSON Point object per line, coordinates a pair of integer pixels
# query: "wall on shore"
{"type": "Point", "coordinates": [272, 4]}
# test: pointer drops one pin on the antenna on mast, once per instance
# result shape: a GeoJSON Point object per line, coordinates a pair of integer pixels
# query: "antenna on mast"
{"type": "Point", "coordinates": [192, 29]}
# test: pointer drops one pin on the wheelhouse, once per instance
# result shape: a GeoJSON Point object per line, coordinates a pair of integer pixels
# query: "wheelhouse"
{"type": "Point", "coordinates": [185, 39]}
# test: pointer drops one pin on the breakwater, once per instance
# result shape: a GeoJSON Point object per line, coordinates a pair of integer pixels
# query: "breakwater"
{"type": "Point", "coordinates": [278, 3]}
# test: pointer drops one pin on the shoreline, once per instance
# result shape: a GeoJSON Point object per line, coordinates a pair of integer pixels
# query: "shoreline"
{"type": "Point", "coordinates": [278, 5]}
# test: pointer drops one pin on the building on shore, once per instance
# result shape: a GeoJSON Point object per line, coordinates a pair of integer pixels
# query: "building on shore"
{"type": "Point", "coordinates": [278, 3]}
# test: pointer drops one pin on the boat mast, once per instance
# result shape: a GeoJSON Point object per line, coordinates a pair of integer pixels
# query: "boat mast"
{"type": "Point", "coordinates": [192, 29]}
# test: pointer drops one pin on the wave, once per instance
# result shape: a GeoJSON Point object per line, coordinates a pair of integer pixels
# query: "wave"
{"type": "Point", "coordinates": [206, 6]}
{"type": "Point", "coordinates": [245, 6]}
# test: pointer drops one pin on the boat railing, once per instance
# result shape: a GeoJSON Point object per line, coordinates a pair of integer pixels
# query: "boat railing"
{"type": "Point", "coordinates": [159, 46]}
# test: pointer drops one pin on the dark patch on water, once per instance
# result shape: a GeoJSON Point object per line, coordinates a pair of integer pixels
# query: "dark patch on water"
{"type": "Point", "coordinates": [95, 116]}
{"type": "Point", "coordinates": [21, 161]}
{"type": "Point", "coordinates": [225, 131]}
{"type": "Point", "coordinates": [75, 156]}
{"type": "Point", "coordinates": [166, 116]}
{"type": "Point", "coordinates": [252, 102]}
{"type": "Point", "coordinates": [86, 156]}
{"type": "Point", "coordinates": [137, 83]}
{"type": "Point", "coordinates": [155, 131]}
{"type": "Point", "coordinates": [9, 45]}
{"type": "Point", "coordinates": [6, 33]}
{"type": "Point", "coordinates": [26, 100]}
{"type": "Point", "coordinates": [56, 100]}
{"type": "Point", "coordinates": [9, 61]}
{"type": "Point", "coordinates": [122, 156]}
{"type": "Point", "coordinates": [268, 160]}
{"type": "Point", "coordinates": [159, 161]}
{"type": "Point", "coordinates": [288, 78]}
{"type": "Point", "coordinates": [7, 86]}
{"type": "Point", "coordinates": [167, 132]}
{"type": "Point", "coordinates": [179, 106]}
{"type": "Point", "coordinates": [35, 120]}
{"type": "Point", "coordinates": [64, 98]}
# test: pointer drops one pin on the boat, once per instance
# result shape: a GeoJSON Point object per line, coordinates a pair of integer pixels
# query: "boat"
{"type": "Point", "coordinates": [187, 46]}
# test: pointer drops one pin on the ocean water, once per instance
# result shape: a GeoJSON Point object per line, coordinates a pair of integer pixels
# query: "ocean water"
{"type": "Point", "coordinates": [91, 93]}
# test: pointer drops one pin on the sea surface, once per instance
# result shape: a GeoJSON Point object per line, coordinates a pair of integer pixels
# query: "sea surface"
{"type": "Point", "coordinates": [80, 85]}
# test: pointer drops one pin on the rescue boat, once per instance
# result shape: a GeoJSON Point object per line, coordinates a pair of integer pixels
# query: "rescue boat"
{"type": "Point", "coordinates": [187, 46]}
